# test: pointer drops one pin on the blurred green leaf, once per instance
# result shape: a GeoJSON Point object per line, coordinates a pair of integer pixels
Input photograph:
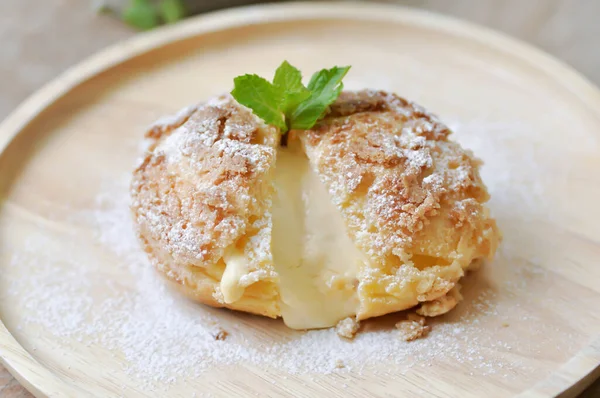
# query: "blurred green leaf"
{"type": "Point", "coordinates": [172, 10]}
{"type": "Point", "coordinates": [141, 14]}
{"type": "Point", "coordinates": [101, 7]}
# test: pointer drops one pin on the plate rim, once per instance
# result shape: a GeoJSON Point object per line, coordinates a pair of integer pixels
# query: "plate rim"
{"type": "Point", "coordinates": [568, 380]}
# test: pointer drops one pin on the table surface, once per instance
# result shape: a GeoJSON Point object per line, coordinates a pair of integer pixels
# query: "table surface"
{"type": "Point", "coordinates": [40, 39]}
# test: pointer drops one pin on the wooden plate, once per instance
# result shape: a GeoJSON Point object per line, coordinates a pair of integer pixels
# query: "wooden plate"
{"type": "Point", "coordinates": [81, 314]}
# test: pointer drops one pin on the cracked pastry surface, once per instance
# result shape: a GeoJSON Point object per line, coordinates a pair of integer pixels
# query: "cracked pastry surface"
{"type": "Point", "coordinates": [372, 211]}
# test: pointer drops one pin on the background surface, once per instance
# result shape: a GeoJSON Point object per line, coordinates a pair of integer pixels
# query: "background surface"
{"type": "Point", "coordinates": [41, 38]}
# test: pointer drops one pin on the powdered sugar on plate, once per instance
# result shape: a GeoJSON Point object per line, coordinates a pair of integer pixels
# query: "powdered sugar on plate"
{"type": "Point", "coordinates": [162, 337]}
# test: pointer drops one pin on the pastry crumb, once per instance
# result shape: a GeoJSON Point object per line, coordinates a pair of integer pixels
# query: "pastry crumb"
{"type": "Point", "coordinates": [220, 334]}
{"type": "Point", "coordinates": [347, 328]}
{"type": "Point", "coordinates": [441, 305]}
{"type": "Point", "coordinates": [339, 364]}
{"type": "Point", "coordinates": [413, 327]}
{"type": "Point", "coordinates": [505, 324]}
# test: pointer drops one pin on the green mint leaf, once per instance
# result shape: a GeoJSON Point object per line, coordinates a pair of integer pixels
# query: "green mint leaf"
{"type": "Point", "coordinates": [288, 77]}
{"type": "Point", "coordinates": [325, 87]}
{"type": "Point", "coordinates": [308, 115]}
{"type": "Point", "coordinates": [141, 14]}
{"type": "Point", "coordinates": [292, 100]}
{"type": "Point", "coordinates": [262, 97]}
{"type": "Point", "coordinates": [286, 103]}
{"type": "Point", "coordinates": [172, 10]}
{"type": "Point", "coordinates": [288, 80]}
{"type": "Point", "coordinates": [327, 78]}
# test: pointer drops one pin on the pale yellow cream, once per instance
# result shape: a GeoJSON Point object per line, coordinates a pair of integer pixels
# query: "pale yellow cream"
{"type": "Point", "coordinates": [236, 267]}
{"type": "Point", "coordinates": [316, 261]}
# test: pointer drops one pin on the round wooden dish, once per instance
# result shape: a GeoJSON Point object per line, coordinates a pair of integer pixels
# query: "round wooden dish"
{"type": "Point", "coordinates": [529, 325]}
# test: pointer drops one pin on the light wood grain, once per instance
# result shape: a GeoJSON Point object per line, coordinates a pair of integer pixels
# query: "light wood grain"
{"type": "Point", "coordinates": [566, 29]}
{"type": "Point", "coordinates": [542, 84]}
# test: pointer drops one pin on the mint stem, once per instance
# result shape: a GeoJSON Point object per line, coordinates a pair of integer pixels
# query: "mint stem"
{"type": "Point", "coordinates": [284, 139]}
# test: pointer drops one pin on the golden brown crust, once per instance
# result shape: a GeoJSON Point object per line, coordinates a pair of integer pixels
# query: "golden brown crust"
{"type": "Point", "coordinates": [441, 305]}
{"type": "Point", "coordinates": [412, 199]}
{"type": "Point", "coordinates": [204, 187]}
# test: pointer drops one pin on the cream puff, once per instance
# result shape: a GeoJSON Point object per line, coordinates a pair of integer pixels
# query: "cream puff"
{"type": "Point", "coordinates": [373, 210]}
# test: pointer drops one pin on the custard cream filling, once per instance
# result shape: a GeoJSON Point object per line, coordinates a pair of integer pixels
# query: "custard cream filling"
{"type": "Point", "coordinates": [316, 261]}
{"type": "Point", "coordinates": [236, 267]}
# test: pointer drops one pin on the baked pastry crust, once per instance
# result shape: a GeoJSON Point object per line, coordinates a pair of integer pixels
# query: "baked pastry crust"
{"type": "Point", "coordinates": [204, 187]}
{"type": "Point", "coordinates": [412, 200]}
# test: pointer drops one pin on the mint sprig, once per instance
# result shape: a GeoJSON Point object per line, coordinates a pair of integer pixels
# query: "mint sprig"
{"type": "Point", "coordinates": [286, 103]}
{"type": "Point", "coordinates": [264, 98]}
{"type": "Point", "coordinates": [325, 86]}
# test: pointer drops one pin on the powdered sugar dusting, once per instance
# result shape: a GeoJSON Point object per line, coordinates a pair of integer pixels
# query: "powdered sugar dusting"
{"type": "Point", "coordinates": [163, 339]}
{"type": "Point", "coordinates": [525, 179]}
{"type": "Point", "coordinates": [175, 119]}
